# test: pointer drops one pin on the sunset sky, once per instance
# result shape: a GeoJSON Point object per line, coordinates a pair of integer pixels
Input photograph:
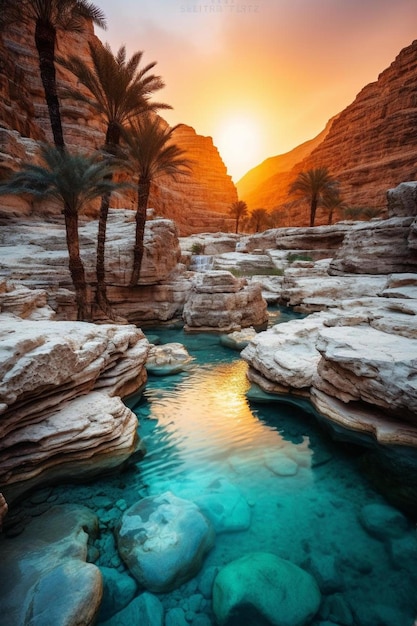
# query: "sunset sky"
{"type": "Point", "coordinates": [260, 77]}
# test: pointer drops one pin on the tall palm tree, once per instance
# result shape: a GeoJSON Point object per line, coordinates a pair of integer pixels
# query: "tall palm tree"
{"type": "Point", "coordinates": [72, 180]}
{"type": "Point", "coordinates": [314, 185]}
{"type": "Point", "coordinates": [118, 90]}
{"type": "Point", "coordinates": [153, 153]}
{"type": "Point", "coordinates": [48, 16]}
{"type": "Point", "coordinates": [238, 210]}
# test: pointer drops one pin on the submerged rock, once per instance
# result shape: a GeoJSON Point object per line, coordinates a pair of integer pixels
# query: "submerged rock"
{"type": "Point", "coordinates": [263, 588]}
{"type": "Point", "coordinates": [145, 610]}
{"type": "Point", "coordinates": [163, 541]}
{"type": "Point", "coordinates": [44, 574]}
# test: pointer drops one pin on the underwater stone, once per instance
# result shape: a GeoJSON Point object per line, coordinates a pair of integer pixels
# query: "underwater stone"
{"type": "Point", "coordinates": [45, 579]}
{"type": "Point", "coordinates": [383, 521]}
{"type": "Point", "coordinates": [118, 590]}
{"type": "Point", "coordinates": [262, 586]}
{"type": "Point", "coordinates": [175, 617]}
{"type": "Point", "coordinates": [163, 540]}
{"type": "Point", "coordinates": [146, 610]}
{"type": "Point", "coordinates": [225, 506]}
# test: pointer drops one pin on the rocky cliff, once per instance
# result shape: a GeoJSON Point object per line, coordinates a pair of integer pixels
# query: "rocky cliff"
{"type": "Point", "coordinates": [369, 146]}
{"type": "Point", "coordinates": [197, 203]}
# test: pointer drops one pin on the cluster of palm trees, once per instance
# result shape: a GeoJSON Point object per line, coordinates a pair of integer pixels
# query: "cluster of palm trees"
{"type": "Point", "coordinates": [316, 186]}
{"type": "Point", "coordinates": [136, 141]}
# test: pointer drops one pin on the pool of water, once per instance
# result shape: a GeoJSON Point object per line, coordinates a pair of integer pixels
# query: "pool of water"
{"type": "Point", "coordinates": [292, 492]}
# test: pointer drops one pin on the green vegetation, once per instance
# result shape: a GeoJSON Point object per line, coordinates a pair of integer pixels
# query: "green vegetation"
{"type": "Point", "coordinates": [197, 248]}
{"type": "Point", "coordinates": [298, 257]}
{"type": "Point", "coordinates": [239, 273]}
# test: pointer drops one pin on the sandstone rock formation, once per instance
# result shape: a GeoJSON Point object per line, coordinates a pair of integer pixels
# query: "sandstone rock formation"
{"type": "Point", "coordinates": [219, 301]}
{"type": "Point", "coordinates": [369, 146]}
{"type": "Point", "coordinates": [197, 203]}
{"type": "Point", "coordinates": [61, 414]}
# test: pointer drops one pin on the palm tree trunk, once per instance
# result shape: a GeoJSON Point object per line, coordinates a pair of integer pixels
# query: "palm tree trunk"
{"type": "Point", "coordinates": [313, 210]}
{"type": "Point", "coordinates": [101, 292]}
{"type": "Point", "coordinates": [237, 224]}
{"type": "Point", "coordinates": [112, 141]}
{"type": "Point", "coordinates": [45, 37]}
{"type": "Point", "coordinates": [76, 266]}
{"type": "Point", "coordinates": [144, 187]}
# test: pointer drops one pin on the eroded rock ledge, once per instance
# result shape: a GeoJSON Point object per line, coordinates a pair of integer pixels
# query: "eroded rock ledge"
{"type": "Point", "coordinates": [60, 399]}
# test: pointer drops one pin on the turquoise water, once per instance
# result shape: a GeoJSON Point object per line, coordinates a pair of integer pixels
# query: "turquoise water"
{"type": "Point", "coordinates": [286, 488]}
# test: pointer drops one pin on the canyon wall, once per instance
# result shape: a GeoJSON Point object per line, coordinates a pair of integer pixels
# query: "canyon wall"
{"type": "Point", "coordinates": [369, 147]}
{"type": "Point", "coordinates": [197, 203]}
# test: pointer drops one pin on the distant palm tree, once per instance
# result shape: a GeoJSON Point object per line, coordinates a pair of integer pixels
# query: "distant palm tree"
{"type": "Point", "coordinates": [314, 185]}
{"type": "Point", "coordinates": [72, 180]}
{"type": "Point", "coordinates": [153, 153]}
{"type": "Point", "coordinates": [238, 210]}
{"type": "Point", "coordinates": [48, 16]}
{"type": "Point", "coordinates": [259, 219]}
{"type": "Point", "coordinates": [331, 203]}
{"type": "Point", "coordinates": [119, 90]}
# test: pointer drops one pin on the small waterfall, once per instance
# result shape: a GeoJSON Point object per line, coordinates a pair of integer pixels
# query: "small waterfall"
{"type": "Point", "coordinates": [201, 262]}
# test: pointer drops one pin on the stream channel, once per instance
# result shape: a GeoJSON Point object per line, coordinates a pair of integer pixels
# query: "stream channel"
{"type": "Point", "coordinates": [285, 486]}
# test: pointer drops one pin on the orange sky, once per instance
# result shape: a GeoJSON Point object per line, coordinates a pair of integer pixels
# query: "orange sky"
{"type": "Point", "coordinates": [260, 77]}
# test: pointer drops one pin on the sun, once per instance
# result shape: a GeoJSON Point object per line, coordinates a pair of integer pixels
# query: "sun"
{"type": "Point", "coordinates": [238, 139]}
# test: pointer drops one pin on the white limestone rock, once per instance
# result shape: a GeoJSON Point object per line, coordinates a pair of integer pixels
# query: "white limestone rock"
{"type": "Point", "coordinates": [53, 424]}
{"type": "Point", "coordinates": [169, 358]}
{"type": "Point", "coordinates": [363, 363]}
{"type": "Point", "coordinates": [218, 301]}
{"type": "Point", "coordinates": [376, 247]}
{"type": "Point", "coordinates": [286, 354]}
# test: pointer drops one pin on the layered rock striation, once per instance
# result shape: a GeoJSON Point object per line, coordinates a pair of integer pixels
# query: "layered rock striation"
{"type": "Point", "coordinates": [61, 412]}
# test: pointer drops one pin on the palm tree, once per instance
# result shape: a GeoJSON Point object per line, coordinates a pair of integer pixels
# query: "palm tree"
{"type": "Point", "coordinates": [238, 210]}
{"type": "Point", "coordinates": [72, 180]}
{"type": "Point", "coordinates": [118, 91]}
{"type": "Point", "coordinates": [331, 203]}
{"type": "Point", "coordinates": [259, 219]}
{"type": "Point", "coordinates": [48, 16]}
{"type": "Point", "coordinates": [314, 185]}
{"type": "Point", "coordinates": [153, 153]}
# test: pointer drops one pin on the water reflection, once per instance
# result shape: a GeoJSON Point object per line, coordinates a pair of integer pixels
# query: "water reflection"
{"type": "Point", "coordinates": [204, 428]}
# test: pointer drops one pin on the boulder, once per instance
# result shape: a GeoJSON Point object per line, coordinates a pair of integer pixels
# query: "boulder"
{"type": "Point", "coordinates": [368, 248]}
{"type": "Point", "coordinates": [402, 200]}
{"type": "Point", "coordinates": [263, 588]}
{"type": "Point", "coordinates": [145, 610]}
{"type": "Point", "coordinates": [169, 358]}
{"type": "Point", "coordinates": [163, 541]}
{"type": "Point", "coordinates": [239, 339]}
{"type": "Point", "coordinates": [220, 302]}
{"type": "Point", "coordinates": [45, 577]}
